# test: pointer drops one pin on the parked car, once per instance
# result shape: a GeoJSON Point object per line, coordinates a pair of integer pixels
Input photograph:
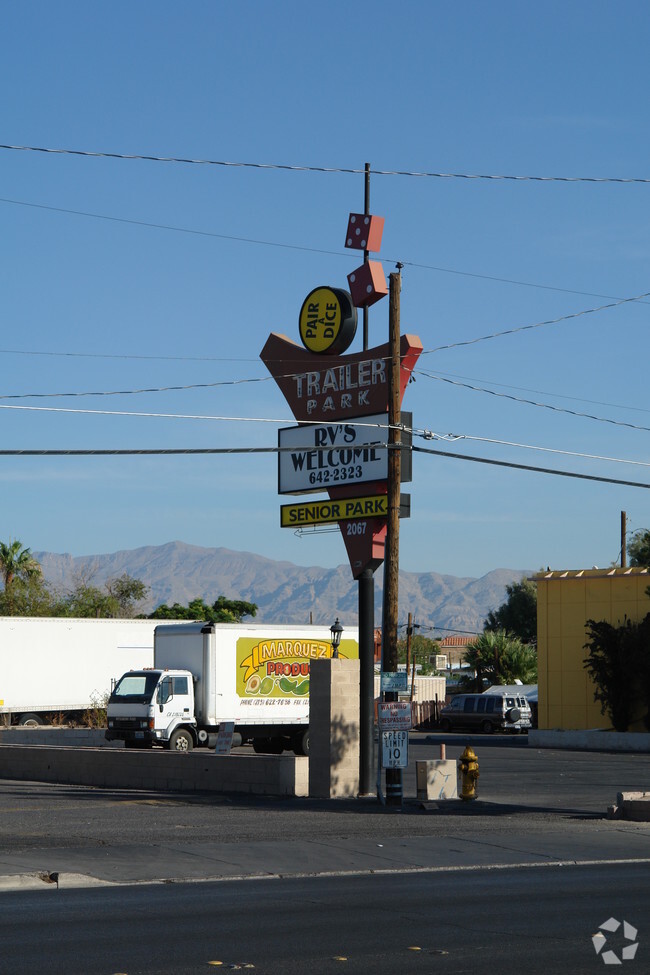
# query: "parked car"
{"type": "Point", "coordinates": [487, 713]}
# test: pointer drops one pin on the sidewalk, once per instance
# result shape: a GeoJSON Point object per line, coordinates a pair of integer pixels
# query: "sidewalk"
{"type": "Point", "coordinates": [483, 836]}
{"type": "Point", "coordinates": [535, 807]}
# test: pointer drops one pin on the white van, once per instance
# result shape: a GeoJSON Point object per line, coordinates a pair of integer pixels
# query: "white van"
{"type": "Point", "coordinates": [487, 712]}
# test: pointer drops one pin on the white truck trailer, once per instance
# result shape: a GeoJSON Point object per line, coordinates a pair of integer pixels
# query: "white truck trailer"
{"type": "Point", "coordinates": [54, 669]}
{"type": "Point", "coordinates": [255, 675]}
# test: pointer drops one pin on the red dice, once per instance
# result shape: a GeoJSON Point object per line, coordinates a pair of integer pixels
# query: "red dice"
{"type": "Point", "coordinates": [364, 232]}
{"type": "Point", "coordinates": [367, 284]}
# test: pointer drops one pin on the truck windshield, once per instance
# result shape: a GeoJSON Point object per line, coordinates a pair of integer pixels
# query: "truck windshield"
{"type": "Point", "coordinates": [135, 686]}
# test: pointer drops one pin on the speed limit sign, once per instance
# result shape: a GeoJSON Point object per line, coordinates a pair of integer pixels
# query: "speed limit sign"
{"type": "Point", "coordinates": [394, 749]}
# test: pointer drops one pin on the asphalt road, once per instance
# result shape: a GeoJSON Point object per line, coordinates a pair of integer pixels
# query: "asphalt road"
{"type": "Point", "coordinates": [534, 806]}
{"type": "Point", "coordinates": [479, 922]}
{"type": "Point", "coordinates": [118, 881]}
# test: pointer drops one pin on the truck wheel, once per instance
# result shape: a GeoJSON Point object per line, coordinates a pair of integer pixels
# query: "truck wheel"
{"type": "Point", "coordinates": [181, 741]}
{"type": "Point", "coordinates": [445, 724]}
{"type": "Point", "coordinates": [31, 720]}
{"type": "Point", "coordinates": [487, 727]}
{"type": "Point", "coordinates": [513, 715]}
{"type": "Point", "coordinates": [300, 743]}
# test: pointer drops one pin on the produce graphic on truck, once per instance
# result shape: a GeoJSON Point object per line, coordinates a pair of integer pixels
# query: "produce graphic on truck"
{"type": "Point", "coordinates": [252, 674]}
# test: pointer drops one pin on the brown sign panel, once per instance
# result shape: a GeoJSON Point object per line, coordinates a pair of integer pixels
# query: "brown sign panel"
{"type": "Point", "coordinates": [332, 387]}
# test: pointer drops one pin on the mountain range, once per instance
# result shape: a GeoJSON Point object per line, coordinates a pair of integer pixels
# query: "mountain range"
{"type": "Point", "coordinates": [283, 592]}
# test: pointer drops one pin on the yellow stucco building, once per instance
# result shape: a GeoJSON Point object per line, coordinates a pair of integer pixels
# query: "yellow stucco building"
{"type": "Point", "coordinates": [565, 601]}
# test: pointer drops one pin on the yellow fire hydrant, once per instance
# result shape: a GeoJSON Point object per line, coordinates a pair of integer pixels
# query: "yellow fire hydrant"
{"type": "Point", "coordinates": [469, 773]}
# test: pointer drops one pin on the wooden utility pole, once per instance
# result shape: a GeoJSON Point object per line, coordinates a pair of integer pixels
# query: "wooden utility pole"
{"type": "Point", "coordinates": [391, 561]}
{"type": "Point", "coordinates": [623, 539]}
{"type": "Point", "coordinates": [366, 616]}
{"type": "Point", "coordinates": [391, 564]}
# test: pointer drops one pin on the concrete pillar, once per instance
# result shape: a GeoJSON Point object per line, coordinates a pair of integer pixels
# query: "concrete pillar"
{"type": "Point", "coordinates": [334, 724]}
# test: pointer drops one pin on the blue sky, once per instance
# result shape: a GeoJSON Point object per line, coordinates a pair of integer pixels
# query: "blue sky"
{"type": "Point", "coordinates": [550, 89]}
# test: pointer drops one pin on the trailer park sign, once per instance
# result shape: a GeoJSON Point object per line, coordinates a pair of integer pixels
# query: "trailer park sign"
{"type": "Point", "coordinates": [340, 403]}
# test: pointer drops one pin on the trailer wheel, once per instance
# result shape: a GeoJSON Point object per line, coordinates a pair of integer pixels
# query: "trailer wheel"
{"type": "Point", "coordinates": [31, 720]}
{"type": "Point", "coordinates": [300, 742]}
{"type": "Point", "coordinates": [181, 741]}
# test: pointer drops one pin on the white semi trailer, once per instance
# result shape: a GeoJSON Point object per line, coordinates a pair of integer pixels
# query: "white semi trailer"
{"type": "Point", "coordinates": [54, 669]}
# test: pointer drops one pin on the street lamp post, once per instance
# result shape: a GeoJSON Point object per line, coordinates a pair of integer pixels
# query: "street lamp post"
{"type": "Point", "coordinates": [336, 629]}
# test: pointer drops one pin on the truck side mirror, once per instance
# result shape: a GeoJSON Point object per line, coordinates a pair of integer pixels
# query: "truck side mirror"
{"type": "Point", "coordinates": [164, 692]}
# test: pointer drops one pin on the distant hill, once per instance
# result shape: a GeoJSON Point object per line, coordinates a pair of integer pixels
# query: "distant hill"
{"type": "Point", "coordinates": [284, 592]}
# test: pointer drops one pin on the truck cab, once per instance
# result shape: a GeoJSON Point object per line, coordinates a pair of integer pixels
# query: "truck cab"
{"type": "Point", "coordinates": [149, 707]}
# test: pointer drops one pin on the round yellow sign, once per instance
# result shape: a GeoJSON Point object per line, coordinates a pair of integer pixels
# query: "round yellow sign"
{"type": "Point", "coordinates": [328, 320]}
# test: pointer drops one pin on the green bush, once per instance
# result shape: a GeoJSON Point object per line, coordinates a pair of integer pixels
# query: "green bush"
{"type": "Point", "coordinates": [618, 663]}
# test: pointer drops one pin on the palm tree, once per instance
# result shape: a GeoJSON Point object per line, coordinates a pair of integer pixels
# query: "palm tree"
{"type": "Point", "coordinates": [501, 659]}
{"type": "Point", "coordinates": [17, 562]}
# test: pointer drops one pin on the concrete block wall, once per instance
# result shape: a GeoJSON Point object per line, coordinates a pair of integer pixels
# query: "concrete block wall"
{"type": "Point", "coordinates": [334, 729]}
{"type": "Point", "coordinates": [199, 771]}
{"type": "Point", "coordinates": [48, 735]}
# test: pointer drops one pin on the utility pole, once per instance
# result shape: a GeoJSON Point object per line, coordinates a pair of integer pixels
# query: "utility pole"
{"type": "Point", "coordinates": [623, 539]}
{"type": "Point", "coordinates": [391, 561]}
{"type": "Point", "coordinates": [366, 616]}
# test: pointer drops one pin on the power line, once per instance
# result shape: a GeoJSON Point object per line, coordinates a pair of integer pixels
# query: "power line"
{"type": "Point", "coordinates": [527, 467]}
{"type": "Point", "coordinates": [172, 451]}
{"type": "Point", "coordinates": [198, 416]}
{"type": "Point", "coordinates": [171, 227]}
{"type": "Point", "coordinates": [530, 402]}
{"type": "Point", "coordinates": [525, 328]}
{"type": "Point", "coordinates": [134, 392]}
{"type": "Point", "coordinates": [326, 169]}
{"type": "Point", "coordinates": [452, 438]}
{"type": "Point", "coordinates": [314, 250]}
{"type": "Point", "coordinates": [501, 280]}
{"type": "Point", "coordinates": [236, 382]}
{"type": "Point", "coordinates": [384, 427]}
{"type": "Point", "coordinates": [543, 392]}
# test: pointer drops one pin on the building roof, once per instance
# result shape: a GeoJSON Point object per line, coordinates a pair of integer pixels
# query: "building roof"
{"type": "Point", "coordinates": [457, 641]}
{"type": "Point", "coordinates": [593, 573]}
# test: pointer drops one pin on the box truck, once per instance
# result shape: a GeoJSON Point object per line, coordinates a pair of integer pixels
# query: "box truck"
{"type": "Point", "coordinates": [54, 669]}
{"type": "Point", "coordinates": [252, 674]}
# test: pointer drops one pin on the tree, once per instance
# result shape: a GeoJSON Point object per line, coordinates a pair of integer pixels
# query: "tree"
{"type": "Point", "coordinates": [222, 610]}
{"type": "Point", "coordinates": [422, 648]}
{"type": "Point", "coordinates": [28, 597]}
{"type": "Point", "coordinates": [117, 599]}
{"type": "Point", "coordinates": [126, 592]}
{"type": "Point", "coordinates": [638, 548]}
{"type": "Point", "coordinates": [499, 658]}
{"type": "Point", "coordinates": [619, 665]}
{"type": "Point", "coordinates": [518, 614]}
{"type": "Point", "coordinates": [17, 564]}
